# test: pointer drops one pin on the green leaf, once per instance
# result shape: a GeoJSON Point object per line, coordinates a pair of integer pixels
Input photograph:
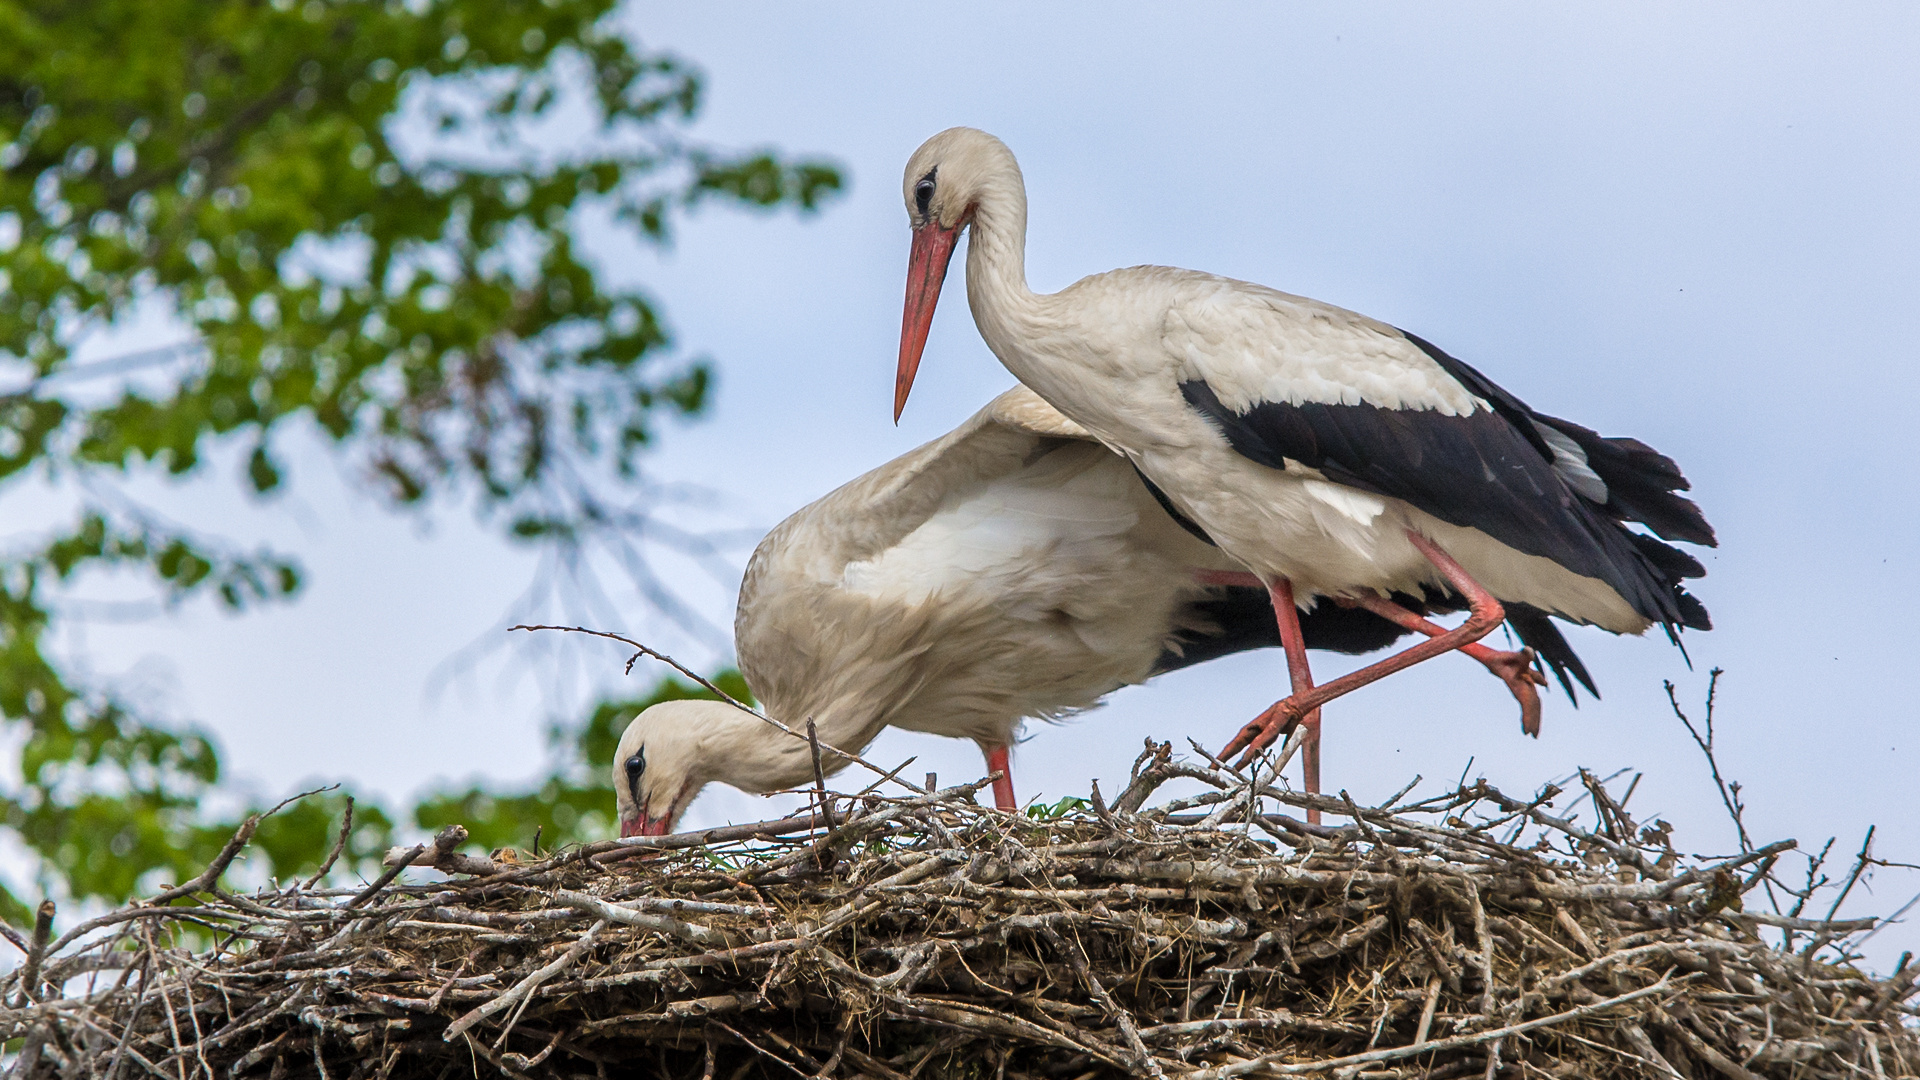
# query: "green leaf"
{"type": "Point", "coordinates": [262, 471]}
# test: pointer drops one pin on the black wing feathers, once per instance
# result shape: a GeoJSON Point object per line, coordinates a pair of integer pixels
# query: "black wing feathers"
{"type": "Point", "coordinates": [1238, 618]}
{"type": "Point", "coordinates": [1536, 630]}
{"type": "Point", "coordinates": [1492, 471]}
{"type": "Point", "coordinates": [1510, 408]}
{"type": "Point", "coordinates": [1641, 483]}
{"type": "Point", "coordinates": [1474, 471]}
{"type": "Point", "coordinates": [1640, 480]}
{"type": "Point", "coordinates": [1677, 565]}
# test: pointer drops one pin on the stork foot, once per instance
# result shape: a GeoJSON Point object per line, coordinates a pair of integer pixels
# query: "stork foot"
{"type": "Point", "coordinates": [1517, 670]}
{"type": "Point", "coordinates": [1277, 722]}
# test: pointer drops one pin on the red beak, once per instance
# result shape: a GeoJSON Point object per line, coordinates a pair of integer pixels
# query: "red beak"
{"type": "Point", "coordinates": [926, 272]}
{"type": "Point", "coordinates": [642, 825]}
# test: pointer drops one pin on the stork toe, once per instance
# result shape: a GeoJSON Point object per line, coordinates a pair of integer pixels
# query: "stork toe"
{"type": "Point", "coordinates": [1523, 679]}
{"type": "Point", "coordinates": [1276, 722]}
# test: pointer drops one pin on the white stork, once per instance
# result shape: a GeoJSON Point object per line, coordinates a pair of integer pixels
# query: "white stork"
{"type": "Point", "coordinates": [1327, 453]}
{"type": "Point", "coordinates": [1013, 568]}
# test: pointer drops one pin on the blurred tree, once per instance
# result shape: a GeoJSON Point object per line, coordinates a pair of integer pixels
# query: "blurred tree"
{"type": "Point", "coordinates": [362, 215]}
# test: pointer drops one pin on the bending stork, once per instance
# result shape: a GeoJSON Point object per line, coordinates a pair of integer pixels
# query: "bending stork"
{"type": "Point", "coordinates": [1328, 454]}
{"type": "Point", "coordinates": [1014, 568]}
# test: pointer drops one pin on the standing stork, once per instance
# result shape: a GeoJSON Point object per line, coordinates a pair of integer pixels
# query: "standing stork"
{"type": "Point", "coordinates": [1013, 568]}
{"type": "Point", "coordinates": [1329, 454]}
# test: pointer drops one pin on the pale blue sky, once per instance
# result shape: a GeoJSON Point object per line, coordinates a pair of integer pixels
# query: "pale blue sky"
{"type": "Point", "coordinates": [1694, 225]}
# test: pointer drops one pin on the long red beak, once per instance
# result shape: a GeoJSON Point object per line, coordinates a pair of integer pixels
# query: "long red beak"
{"type": "Point", "coordinates": [926, 272]}
{"type": "Point", "coordinates": [642, 825]}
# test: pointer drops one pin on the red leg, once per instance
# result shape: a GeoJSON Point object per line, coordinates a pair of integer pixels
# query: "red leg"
{"type": "Point", "coordinates": [1287, 614]}
{"type": "Point", "coordinates": [1284, 714]}
{"type": "Point", "coordinates": [1514, 668]}
{"type": "Point", "coordinates": [1003, 786]}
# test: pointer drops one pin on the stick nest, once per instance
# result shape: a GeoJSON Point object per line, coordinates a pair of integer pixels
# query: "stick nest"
{"type": "Point", "coordinates": [1216, 935]}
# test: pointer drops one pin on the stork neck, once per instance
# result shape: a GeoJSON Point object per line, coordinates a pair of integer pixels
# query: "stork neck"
{"type": "Point", "coordinates": [838, 722]}
{"type": "Point", "coordinates": [997, 261]}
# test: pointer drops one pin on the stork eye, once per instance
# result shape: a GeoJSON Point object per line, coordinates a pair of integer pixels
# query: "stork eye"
{"type": "Point", "coordinates": [923, 195]}
{"type": "Point", "coordinates": [636, 765]}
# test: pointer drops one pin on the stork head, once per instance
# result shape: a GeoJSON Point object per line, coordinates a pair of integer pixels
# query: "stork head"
{"type": "Point", "coordinates": [946, 182]}
{"type": "Point", "coordinates": [676, 748]}
{"type": "Point", "coordinates": [663, 762]}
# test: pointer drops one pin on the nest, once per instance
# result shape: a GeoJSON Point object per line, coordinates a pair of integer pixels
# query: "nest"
{"type": "Point", "coordinates": [1213, 936]}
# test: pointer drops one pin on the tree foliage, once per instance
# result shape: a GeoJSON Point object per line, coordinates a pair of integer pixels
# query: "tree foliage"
{"type": "Point", "coordinates": [364, 218]}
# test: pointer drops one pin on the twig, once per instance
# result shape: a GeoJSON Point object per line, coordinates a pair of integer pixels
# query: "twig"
{"type": "Point", "coordinates": [819, 775]}
{"type": "Point", "coordinates": [526, 986]}
{"type": "Point", "coordinates": [1398, 795]}
{"type": "Point", "coordinates": [1485, 937]}
{"type": "Point", "coordinates": [1899, 914]}
{"type": "Point", "coordinates": [1426, 1009]}
{"type": "Point", "coordinates": [339, 845]}
{"type": "Point", "coordinates": [241, 836]}
{"type": "Point", "coordinates": [891, 773]}
{"type": "Point", "coordinates": [27, 1065]}
{"type": "Point", "coordinates": [218, 866]}
{"type": "Point", "coordinates": [1485, 956]}
{"type": "Point", "coordinates": [761, 1050]}
{"type": "Point", "coordinates": [121, 1049]}
{"type": "Point", "coordinates": [386, 879]}
{"type": "Point", "coordinates": [441, 856]}
{"type": "Point", "coordinates": [1729, 793]}
{"type": "Point", "coordinates": [1269, 1062]}
{"type": "Point", "coordinates": [37, 952]}
{"type": "Point", "coordinates": [756, 830]}
{"type": "Point", "coordinates": [1077, 959]}
{"type": "Point", "coordinates": [687, 931]}
{"type": "Point", "coordinates": [1860, 864]}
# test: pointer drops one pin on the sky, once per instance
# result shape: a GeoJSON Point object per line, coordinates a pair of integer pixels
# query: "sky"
{"type": "Point", "coordinates": [1696, 225]}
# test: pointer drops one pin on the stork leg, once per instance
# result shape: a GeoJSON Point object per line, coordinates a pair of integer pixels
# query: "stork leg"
{"type": "Point", "coordinates": [1003, 784]}
{"type": "Point", "coordinates": [1514, 668]}
{"type": "Point", "coordinates": [1287, 614]}
{"type": "Point", "coordinates": [1280, 718]}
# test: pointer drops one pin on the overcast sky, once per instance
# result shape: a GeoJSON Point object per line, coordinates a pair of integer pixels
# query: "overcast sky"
{"type": "Point", "coordinates": [1693, 225]}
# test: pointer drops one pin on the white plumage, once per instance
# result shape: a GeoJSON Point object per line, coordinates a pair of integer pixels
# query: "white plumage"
{"type": "Point", "coordinates": [1012, 569]}
{"type": "Point", "coordinates": [1327, 453]}
{"type": "Point", "coordinates": [1147, 330]}
{"type": "Point", "coordinates": [1056, 518]}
